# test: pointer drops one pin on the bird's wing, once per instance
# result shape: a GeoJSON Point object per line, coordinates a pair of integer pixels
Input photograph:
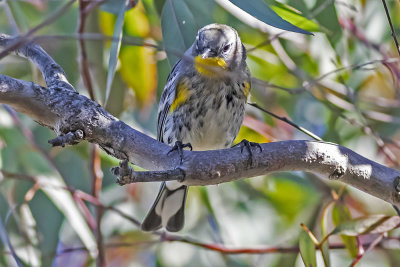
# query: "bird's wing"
{"type": "Point", "coordinates": [167, 97]}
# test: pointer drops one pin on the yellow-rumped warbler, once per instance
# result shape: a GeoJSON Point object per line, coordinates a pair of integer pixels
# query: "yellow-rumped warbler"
{"type": "Point", "coordinates": [203, 104]}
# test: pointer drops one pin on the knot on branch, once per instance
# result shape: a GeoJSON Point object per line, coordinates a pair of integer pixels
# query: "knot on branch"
{"type": "Point", "coordinates": [71, 138]}
{"type": "Point", "coordinates": [124, 173]}
{"type": "Point", "coordinates": [337, 173]}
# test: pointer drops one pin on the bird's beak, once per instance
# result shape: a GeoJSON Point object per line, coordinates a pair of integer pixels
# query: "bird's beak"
{"type": "Point", "coordinates": [207, 53]}
{"type": "Point", "coordinates": [211, 67]}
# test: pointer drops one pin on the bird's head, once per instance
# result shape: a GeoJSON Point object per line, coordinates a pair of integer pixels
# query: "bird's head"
{"type": "Point", "coordinates": [218, 48]}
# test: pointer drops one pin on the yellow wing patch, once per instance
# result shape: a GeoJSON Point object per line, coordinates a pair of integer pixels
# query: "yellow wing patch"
{"type": "Point", "coordinates": [182, 94]}
{"type": "Point", "coordinates": [210, 67]}
{"type": "Point", "coordinates": [246, 89]}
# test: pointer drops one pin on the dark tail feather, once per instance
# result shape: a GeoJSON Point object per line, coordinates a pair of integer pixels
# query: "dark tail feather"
{"type": "Point", "coordinates": [170, 203]}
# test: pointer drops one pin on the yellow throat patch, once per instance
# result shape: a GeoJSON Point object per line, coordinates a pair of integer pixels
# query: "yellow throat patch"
{"type": "Point", "coordinates": [210, 67]}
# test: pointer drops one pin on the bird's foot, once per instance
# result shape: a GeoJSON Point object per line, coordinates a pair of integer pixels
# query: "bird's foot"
{"type": "Point", "coordinates": [244, 143]}
{"type": "Point", "coordinates": [180, 146]}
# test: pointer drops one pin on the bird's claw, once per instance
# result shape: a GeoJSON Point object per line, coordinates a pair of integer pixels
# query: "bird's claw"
{"type": "Point", "coordinates": [244, 143]}
{"type": "Point", "coordinates": [180, 146]}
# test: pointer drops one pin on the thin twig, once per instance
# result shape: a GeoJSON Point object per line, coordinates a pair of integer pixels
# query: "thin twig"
{"type": "Point", "coordinates": [284, 119]}
{"type": "Point", "coordinates": [393, 68]}
{"type": "Point", "coordinates": [101, 259]}
{"type": "Point", "coordinates": [95, 168]}
{"type": "Point", "coordinates": [124, 215]}
{"type": "Point", "coordinates": [221, 249]}
{"type": "Point", "coordinates": [126, 40]}
{"type": "Point", "coordinates": [97, 179]}
{"type": "Point", "coordinates": [91, 5]}
{"type": "Point", "coordinates": [391, 27]}
{"type": "Point", "coordinates": [4, 237]}
{"type": "Point", "coordinates": [356, 67]}
{"type": "Point", "coordinates": [208, 246]}
{"type": "Point", "coordinates": [362, 252]}
{"type": "Point", "coordinates": [21, 40]}
{"type": "Point", "coordinates": [292, 91]}
{"type": "Point", "coordinates": [365, 125]}
{"type": "Point", "coordinates": [108, 246]}
{"type": "Point", "coordinates": [82, 49]}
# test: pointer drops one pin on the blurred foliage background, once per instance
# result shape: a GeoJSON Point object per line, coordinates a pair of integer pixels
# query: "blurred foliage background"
{"type": "Point", "coordinates": [61, 207]}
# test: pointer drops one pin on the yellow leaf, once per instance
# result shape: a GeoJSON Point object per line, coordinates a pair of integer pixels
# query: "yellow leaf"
{"type": "Point", "coordinates": [250, 135]}
{"type": "Point", "coordinates": [253, 130]}
{"type": "Point", "coordinates": [378, 85]}
{"type": "Point", "coordinates": [139, 70]}
{"type": "Point", "coordinates": [107, 21]}
{"type": "Point", "coordinates": [136, 22]}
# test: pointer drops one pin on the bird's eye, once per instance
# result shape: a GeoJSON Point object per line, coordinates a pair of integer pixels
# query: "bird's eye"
{"type": "Point", "coordinates": [226, 48]}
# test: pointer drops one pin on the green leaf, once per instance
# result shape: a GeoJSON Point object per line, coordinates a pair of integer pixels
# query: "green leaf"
{"type": "Point", "coordinates": [299, 195]}
{"type": "Point", "coordinates": [28, 224]}
{"type": "Point", "coordinates": [260, 10]}
{"type": "Point", "coordinates": [307, 250]}
{"type": "Point", "coordinates": [53, 187]}
{"type": "Point", "coordinates": [115, 46]}
{"type": "Point", "coordinates": [374, 224]}
{"type": "Point", "coordinates": [272, 72]}
{"type": "Point", "coordinates": [205, 199]}
{"type": "Point", "coordinates": [325, 14]}
{"type": "Point", "coordinates": [341, 213]}
{"type": "Point", "coordinates": [202, 11]}
{"type": "Point", "coordinates": [295, 17]}
{"type": "Point", "coordinates": [20, 17]}
{"type": "Point", "coordinates": [299, 5]}
{"type": "Point", "coordinates": [159, 4]}
{"type": "Point", "coordinates": [178, 29]}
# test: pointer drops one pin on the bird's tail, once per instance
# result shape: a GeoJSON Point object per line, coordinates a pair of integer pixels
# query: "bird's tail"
{"type": "Point", "coordinates": [168, 208]}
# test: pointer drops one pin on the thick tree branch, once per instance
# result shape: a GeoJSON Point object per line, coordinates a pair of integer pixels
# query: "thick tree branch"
{"type": "Point", "coordinates": [68, 113]}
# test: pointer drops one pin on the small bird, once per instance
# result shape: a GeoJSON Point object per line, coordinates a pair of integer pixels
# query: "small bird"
{"type": "Point", "coordinates": [202, 107]}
